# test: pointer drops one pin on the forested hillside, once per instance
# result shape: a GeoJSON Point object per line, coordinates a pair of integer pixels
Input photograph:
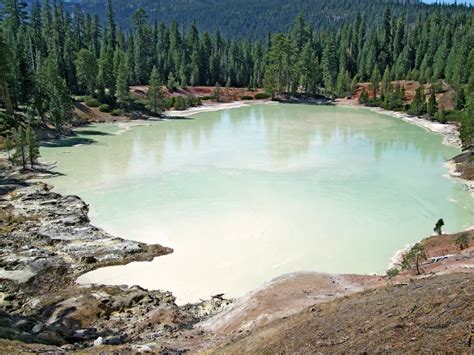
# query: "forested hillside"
{"type": "Point", "coordinates": [255, 19]}
{"type": "Point", "coordinates": [49, 55]}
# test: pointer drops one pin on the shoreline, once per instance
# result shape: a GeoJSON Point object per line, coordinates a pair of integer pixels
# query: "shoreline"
{"type": "Point", "coordinates": [214, 107]}
{"type": "Point", "coordinates": [449, 132]}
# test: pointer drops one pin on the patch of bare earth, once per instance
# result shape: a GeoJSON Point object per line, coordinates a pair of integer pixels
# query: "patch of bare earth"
{"type": "Point", "coordinates": [226, 94]}
{"type": "Point", "coordinates": [93, 114]}
{"type": "Point", "coordinates": [444, 98]}
{"type": "Point", "coordinates": [432, 314]}
{"type": "Point", "coordinates": [311, 312]}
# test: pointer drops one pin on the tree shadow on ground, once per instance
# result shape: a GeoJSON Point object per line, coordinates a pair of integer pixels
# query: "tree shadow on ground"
{"type": "Point", "coordinates": [93, 133]}
{"type": "Point", "coordinates": [69, 142]}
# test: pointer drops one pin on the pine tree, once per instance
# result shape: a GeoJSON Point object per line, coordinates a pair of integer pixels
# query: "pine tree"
{"type": "Point", "coordinates": [86, 70]}
{"type": "Point", "coordinates": [440, 115]}
{"type": "Point", "coordinates": [364, 97]}
{"type": "Point", "coordinates": [111, 27]}
{"type": "Point", "coordinates": [459, 99]}
{"type": "Point", "coordinates": [216, 94]}
{"type": "Point", "coordinates": [417, 106]}
{"type": "Point", "coordinates": [106, 76]}
{"type": "Point", "coordinates": [20, 148]}
{"type": "Point", "coordinates": [33, 146]}
{"type": "Point", "coordinates": [5, 75]}
{"type": "Point", "coordinates": [122, 90]}
{"type": "Point", "coordinates": [171, 85]}
{"type": "Point", "coordinates": [155, 93]}
{"type": "Point", "coordinates": [467, 124]}
{"type": "Point", "coordinates": [432, 106]}
{"type": "Point", "coordinates": [375, 80]}
{"type": "Point", "coordinates": [329, 66]}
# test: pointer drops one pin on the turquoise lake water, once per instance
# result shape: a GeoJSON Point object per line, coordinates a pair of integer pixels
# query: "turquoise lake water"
{"type": "Point", "coordinates": [247, 194]}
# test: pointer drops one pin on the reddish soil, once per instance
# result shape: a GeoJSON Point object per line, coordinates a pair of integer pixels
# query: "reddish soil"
{"type": "Point", "coordinates": [92, 114]}
{"type": "Point", "coordinates": [227, 94]}
{"type": "Point", "coordinates": [444, 98]}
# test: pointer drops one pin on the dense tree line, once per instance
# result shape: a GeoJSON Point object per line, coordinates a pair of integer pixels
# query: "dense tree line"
{"type": "Point", "coordinates": [255, 19]}
{"type": "Point", "coordinates": [48, 54]}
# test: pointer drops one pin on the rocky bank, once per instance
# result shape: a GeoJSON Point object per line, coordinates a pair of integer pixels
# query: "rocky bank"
{"type": "Point", "coordinates": [46, 242]}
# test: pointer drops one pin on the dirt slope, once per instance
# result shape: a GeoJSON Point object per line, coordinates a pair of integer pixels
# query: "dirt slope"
{"type": "Point", "coordinates": [431, 314]}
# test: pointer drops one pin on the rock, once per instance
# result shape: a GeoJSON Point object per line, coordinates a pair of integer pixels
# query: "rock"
{"type": "Point", "coordinates": [38, 328]}
{"type": "Point", "coordinates": [99, 341]}
{"type": "Point", "coordinates": [84, 334]}
{"type": "Point", "coordinates": [113, 340]}
{"type": "Point", "coordinates": [51, 338]}
{"type": "Point", "coordinates": [145, 349]}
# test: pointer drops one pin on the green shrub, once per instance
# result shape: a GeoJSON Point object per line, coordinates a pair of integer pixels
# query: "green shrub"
{"type": "Point", "coordinates": [194, 101]}
{"type": "Point", "coordinates": [139, 104]}
{"type": "Point", "coordinates": [207, 97]}
{"type": "Point", "coordinates": [393, 272]}
{"type": "Point", "coordinates": [92, 102]}
{"type": "Point", "coordinates": [80, 98]}
{"type": "Point", "coordinates": [117, 112]}
{"type": "Point", "coordinates": [246, 97]}
{"type": "Point", "coordinates": [410, 256]}
{"type": "Point", "coordinates": [104, 108]}
{"type": "Point", "coordinates": [168, 103]}
{"type": "Point", "coordinates": [462, 241]}
{"type": "Point", "coordinates": [180, 103]}
{"type": "Point", "coordinates": [262, 96]}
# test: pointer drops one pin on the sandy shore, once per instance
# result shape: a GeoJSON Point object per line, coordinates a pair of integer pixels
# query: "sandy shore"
{"type": "Point", "coordinates": [215, 106]}
{"type": "Point", "coordinates": [449, 131]}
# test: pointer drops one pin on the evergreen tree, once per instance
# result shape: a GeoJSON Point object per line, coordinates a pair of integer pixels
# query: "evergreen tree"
{"type": "Point", "coordinates": [329, 66]}
{"type": "Point", "coordinates": [375, 80]}
{"type": "Point", "coordinates": [33, 146]}
{"type": "Point", "coordinates": [20, 148]}
{"type": "Point", "coordinates": [155, 94]}
{"type": "Point", "coordinates": [364, 97]}
{"type": "Point", "coordinates": [86, 70]}
{"type": "Point", "coordinates": [467, 125]}
{"type": "Point", "coordinates": [122, 90]}
{"type": "Point", "coordinates": [216, 94]}
{"type": "Point", "coordinates": [418, 105]}
{"type": "Point", "coordinates": [5, 75]}
{"type": "Point", "coordinates": [432, 106]}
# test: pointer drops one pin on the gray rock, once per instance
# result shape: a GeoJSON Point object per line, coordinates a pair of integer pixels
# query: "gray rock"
{"type": "Point", "coordinates": [99, 341]}
{"type": "Point", "coordinates": [38, 328]}
{"type": "Point", "coordinates": [113, 340]}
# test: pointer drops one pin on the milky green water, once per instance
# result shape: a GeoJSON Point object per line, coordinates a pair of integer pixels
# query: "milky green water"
{"type": "Point", "coordinates": [248, 194]}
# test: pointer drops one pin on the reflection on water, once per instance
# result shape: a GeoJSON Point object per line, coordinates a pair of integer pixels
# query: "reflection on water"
{"type": "Point", "coordinates": [247, 194]}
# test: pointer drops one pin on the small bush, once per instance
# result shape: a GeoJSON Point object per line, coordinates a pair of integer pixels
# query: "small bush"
{"type": "Point", "coordinates": [104, 108]}
{"type": "Point", "coordinates": [168, 103]}
{"type": "Point", "coordinates": [139, 104]}
{"type": "Point", "coordinates": [409, 257]}
{"type": "Point", "coordinates": [207, 97]}
{"type": "Point", "coordinates": [462, 241]}
{"type": "Point", "coordinates": [91, 102]}
{"type": "Point", "coordinates": [262, 96]}
{"type": "Point", "coordinates": [117, 112]}
{"type": "Point", "coordinates": [393, 272]}
{"type": "Point", "coordinates": [246, 97]}
{"type": "Point", "coordinates": [80, 98]}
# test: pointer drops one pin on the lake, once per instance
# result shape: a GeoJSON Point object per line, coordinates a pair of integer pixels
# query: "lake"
{"type": "Point", "coordinates": [248, 194]}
